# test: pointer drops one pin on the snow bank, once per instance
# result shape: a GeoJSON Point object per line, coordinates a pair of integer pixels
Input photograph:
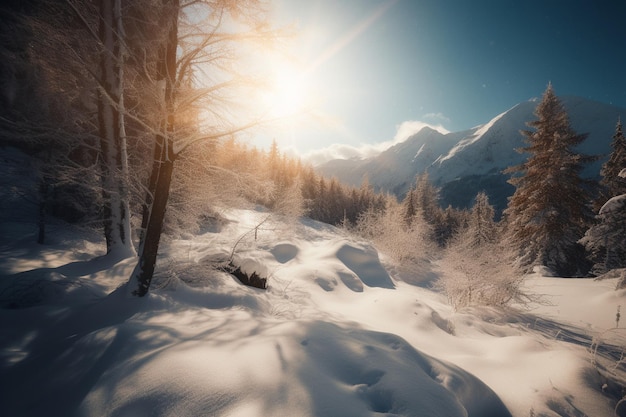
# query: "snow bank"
{"type": "Point", "coordinates": [243, 366]}
{"type": "Point", "coordinates": [335, 334]}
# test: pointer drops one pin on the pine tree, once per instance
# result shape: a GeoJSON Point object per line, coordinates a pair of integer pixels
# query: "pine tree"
{"type": "Point", "coordinates": [614, 185]}
{"type": "Point", "coordinates": [427, 198]}
{"type": "Point", "coordinates": [605, 240]}
{"type": "Point", "coordinates": [451, 221]}
{"type": "Point", "coordinates": [482, 226]}
{"type": "Point", "coordinates": [547, 214]}
{"type": "Point", "coordinates": [426, 201]}
{"type": "Point", "coordinates": [409, 207]}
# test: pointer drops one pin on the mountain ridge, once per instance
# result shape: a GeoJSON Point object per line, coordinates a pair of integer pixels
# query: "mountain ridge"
{"type": "Point", "coordinates": [466, 162]}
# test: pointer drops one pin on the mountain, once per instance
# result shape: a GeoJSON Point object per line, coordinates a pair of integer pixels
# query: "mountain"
{"type": "Point", "coordinates": [467, 162]}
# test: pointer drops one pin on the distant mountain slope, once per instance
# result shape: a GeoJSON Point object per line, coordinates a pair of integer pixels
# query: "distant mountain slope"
{"type": "Point", "coordinates": [467, 162]}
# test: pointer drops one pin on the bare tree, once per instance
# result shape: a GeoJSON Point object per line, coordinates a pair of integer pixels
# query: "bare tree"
{"type": "Point", "coordinates": [175, 77]}
{"type": "Point", "coordinates": [35, 118]}
{"type": "Point", "coordinates": [196, 38]}
{"type": "Point", "coordinates": [478, 264]}
{"type": "Point", "coordinates": [114, 160]}
{"type": "Point", "coordinates": [80, 103]}
{"type": "Point", "coordinates": [410, 246]}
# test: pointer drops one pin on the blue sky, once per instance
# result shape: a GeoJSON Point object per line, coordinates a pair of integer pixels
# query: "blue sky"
{"type": "Point", "coordinates": [373, 66]}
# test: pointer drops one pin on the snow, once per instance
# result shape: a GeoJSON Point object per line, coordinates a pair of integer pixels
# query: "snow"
{"type": "Point", "coordinates": [485, 150]}
{"type": "Point", "coordinates": [475, 137]}
{"type": "Point", "coordinates": [614, 205]}
{"type": "Point", "coordinates": [337, 333]}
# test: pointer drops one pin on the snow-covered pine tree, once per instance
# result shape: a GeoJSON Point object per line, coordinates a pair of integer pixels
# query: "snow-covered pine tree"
{"type": "Point", "coordinates": [605, 240]}
{"type": "Point", "coordinates": [613, 184]}
{"type": "Point", "coordinates": [548, 212]}
{"type": "Point", "coordinates": [409, 207]}
{"type": "Point", "coordinates": [451, 221]}
{"type": "Point", "coordinates": [482, 227]}
{"type": "Point", "coordinates": [425, 201]}
{"type": "Point", "coordinates": [427, 198]}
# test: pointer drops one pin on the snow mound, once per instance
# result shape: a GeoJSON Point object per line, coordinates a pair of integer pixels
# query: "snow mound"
{"type": "Point", "coordinates": [614, 205]}
{"type": "Point", "coordinates": [365, 264]}
{"type": "Point", "coordinates": [284, 252]}
{"type": "Point", "coordinates": [309, 368]}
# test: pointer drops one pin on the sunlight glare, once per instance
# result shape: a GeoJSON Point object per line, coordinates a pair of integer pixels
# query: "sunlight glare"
{"type": "Point", "coordinates": [289, 93]}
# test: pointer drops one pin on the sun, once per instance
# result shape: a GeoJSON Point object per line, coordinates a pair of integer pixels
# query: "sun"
{"type": "Point", "coordinates": [288, 93]}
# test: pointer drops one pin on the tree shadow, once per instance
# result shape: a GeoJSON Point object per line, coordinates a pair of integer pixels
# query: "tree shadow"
{"type": "Point", "coordinates": [607, 371]}
{"type": "Point", "coordinates": [72, 282]}
{"type": "Point", "coordinates": [67, 352]}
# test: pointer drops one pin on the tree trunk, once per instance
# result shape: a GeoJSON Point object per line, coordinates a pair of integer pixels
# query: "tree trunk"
{"type": "Point", "coordinates": [151, 190]}
{"type": "Point", "coordinates": [155, 204]}
{"type": "Point", "coordinates": [166, 73]}
{"type": "Point", "coordinates": [114, 160]}
{"type": "Point", "coordinates": [141, 278]}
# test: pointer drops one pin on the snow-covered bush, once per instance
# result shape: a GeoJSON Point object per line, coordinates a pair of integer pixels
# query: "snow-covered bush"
{"type": "Point", "coordinates": [482, 275]}
{"type": "Point", "coordinates": [409, 246]}
{"type": "Point", "coordinates": [479, 266]}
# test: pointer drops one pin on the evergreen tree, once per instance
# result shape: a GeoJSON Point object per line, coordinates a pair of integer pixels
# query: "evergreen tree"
{"type": "Point", "coordinates": [482, 226]}
{"type": "Point", "coordinates": [614, 185]}
{"type": "Point", "coordinates": [547, 214]}
{"type": "Point", "coordinates": [451, 221]}
{"type": "Point", "coordinates": [426, 202]}
{"type": "Point", "coordinates": [273, 162]}
{"type": "Point", "coordinates": [336, 202]}
{"type": "Point", "coordinates": [309, 189]}
{"type": "Point", "coordinates": [605, 240]}
{"type": "Point", "coordinates": [427, 198]}
{"type": "Point", "coordinates": [409, 207]}
{"type": "Point", "coordinates": [321, 205]}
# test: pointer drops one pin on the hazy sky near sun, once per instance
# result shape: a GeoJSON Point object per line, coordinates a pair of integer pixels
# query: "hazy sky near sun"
{"type": "Point", "coordinates": [372, 65]}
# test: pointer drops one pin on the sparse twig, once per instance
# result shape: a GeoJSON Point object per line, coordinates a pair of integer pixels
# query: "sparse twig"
{"type": "Point", "coordinates": [240, 239]}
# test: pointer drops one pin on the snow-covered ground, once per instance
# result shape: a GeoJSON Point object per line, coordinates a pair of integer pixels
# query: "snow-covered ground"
{"type": "Point", "coordinates": [337, 333]}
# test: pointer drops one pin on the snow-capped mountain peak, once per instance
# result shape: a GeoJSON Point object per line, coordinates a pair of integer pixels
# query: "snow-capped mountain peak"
{"type": "Point", "coordinates": [467, 162]}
